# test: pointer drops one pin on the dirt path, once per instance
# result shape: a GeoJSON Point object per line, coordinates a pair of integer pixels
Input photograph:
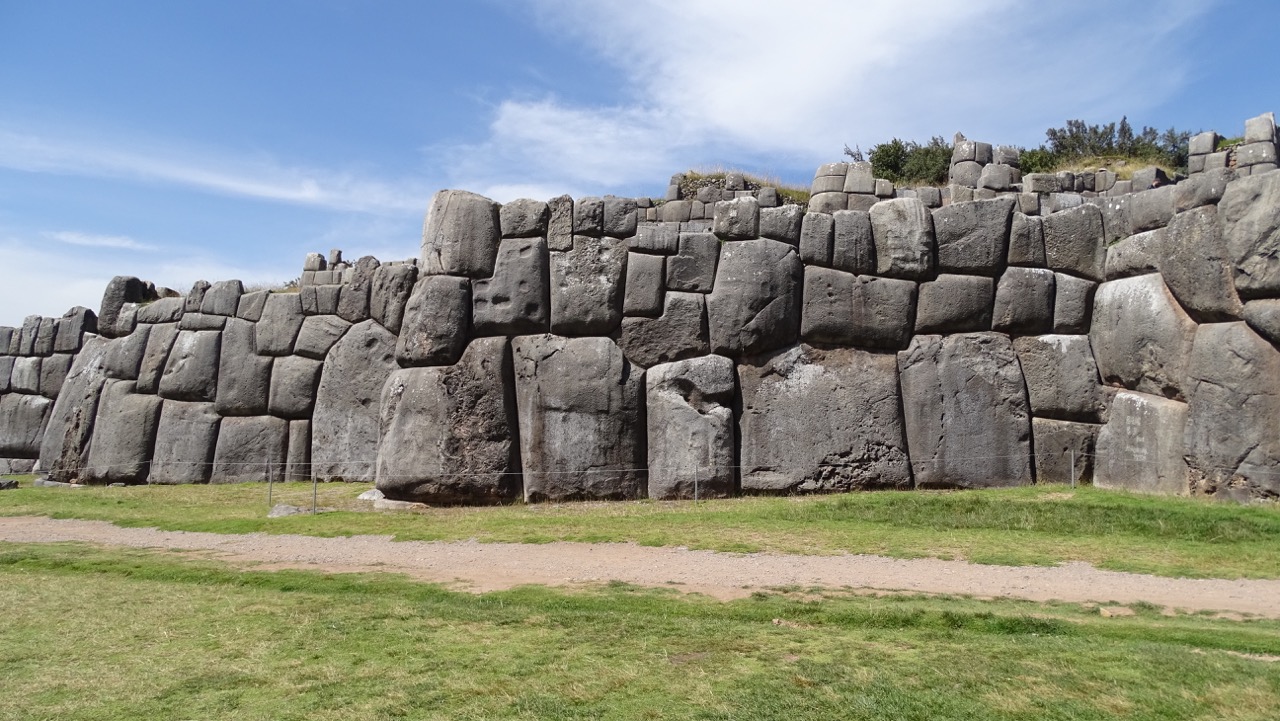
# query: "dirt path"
{"type": "Point", "coordinates": [491, 566]}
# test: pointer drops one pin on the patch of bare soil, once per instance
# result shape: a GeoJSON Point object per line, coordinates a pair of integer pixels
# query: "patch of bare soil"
{"type": "Point", "coordinates": [481, 567]}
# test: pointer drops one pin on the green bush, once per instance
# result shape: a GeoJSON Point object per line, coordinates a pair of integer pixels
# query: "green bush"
{"type": "Point", "coordinates": [911, 162]}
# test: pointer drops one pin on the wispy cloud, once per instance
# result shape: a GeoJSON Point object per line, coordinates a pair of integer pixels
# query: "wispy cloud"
{"type": "Point", "coordinates": [213, 172]}
{"type": "Point", "coordinates": [89, 240]}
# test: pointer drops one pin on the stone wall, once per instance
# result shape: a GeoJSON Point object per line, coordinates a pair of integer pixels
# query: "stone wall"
{"type": "Point", "coordinates": [1000, 331]}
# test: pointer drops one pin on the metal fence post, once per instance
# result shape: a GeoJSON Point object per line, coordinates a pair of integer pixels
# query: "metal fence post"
{"type": "Point", "coordinates": [1073, 468]}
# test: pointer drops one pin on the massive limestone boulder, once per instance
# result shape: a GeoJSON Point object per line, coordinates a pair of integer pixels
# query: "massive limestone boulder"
{"type": "Point", "coordinates": [1141, 337]}
{"type": "Point", "coordinates": [185, 440]}
{"type": "Point", "coordinates": [244, 378]}
{"type": "Point", "coordinates": [1062, 378]}
{"type": "Point", "coordinates": [117, 316]}
{"type": "Point", "coordinates": [1197, 268]}
{"type": "Point", "coordinates": [353, 299]}
{"type": "Point", "coordinates": [973, 237]}
{"type": "Point", "coordinates": [967, 417]}
{"type": "Point", "coordinates": [64, 449]}
{"type": "Point", "coordinates": [755, 307]}
{"type": "Point", "coordinates": [293, 387]}
{"type": "Point", "coordinates": [449, 432]}
{"type": "Point", "coordinates": [318, 334]}
{"type": "Point", "coordinates": [693, 267]}
{"type": "Point", "coordinates": [251, 449]}
{"type": "Point", "coordinates": [1064, 450]}
{"type": "Point", "coordinates": [124, 435]}
{"type": "Point", "coordinates": [1141, 446]}
{"type": "Point", "coordinates": [955, 304]}
{"type": "Point", "coordinates": [1072, 303]}
{"type": "Point", "coordinates": [392, 286]}
{"type": "Point", "coordinates": [1073, 242]}
{"type": "Point", "coordinates": [222, 298]}
{"type": "Point", "coordinates": [517, 299]}
{"type": "Point", "coordinates": [22, 423]}
{"type": "Point", "coordinates": [191, 371]}
{"type": "Point", "coordinates": [586, 286]}
{"type": "Point", "coordinates": [53, 373]}
{"type": "Point", "coordinates": [524, 218]}
{"type": "Point", "coordinates": [782, 223]}
{"type": "Point", "coordinates": [345, 423]}
{"type": "Point", "coordinates": [1024, 301]}
{"type": "Point", "coordinates": [1250, 216]}
{"type": "Point", "coordinates": [460, 235]}
{"type": "Point", "coordinates": [278, 327]}
{"type": "Point", "coordinates": [646, 283]}
{"type": "Point", "coordinates": [124, 354]}
{"type": "Point", "coordinates": [821, 420]}
{"type": "Point", "coordinates": [1026, 240]}
{"type": "Point", "coordinates": [679, 333]}
{"type": "Point", "coordinates": [903, 231]}
{"type": "Point", "coordinates": [71, 329]}
{"type": "Point", "coordinates": [689, 409]}
{"type": "Point", "coordinates": [1233, 420]}
{"type": "Point", "coordinates": [436, 322]}
{"type": "Point", "coordinates": [864, 311]}
{"type": "Point", "coordinates": [853, 247]}
{"type": "Point", "coordinates": [159, 342]}
{"type": "Point", "coordinates": [581, 414]}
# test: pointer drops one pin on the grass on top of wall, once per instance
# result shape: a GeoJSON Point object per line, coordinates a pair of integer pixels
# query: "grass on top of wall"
{"type": "Point", "coordinates": [1190, 537]}
{"type": "Point", "coordinates": [101, 635]}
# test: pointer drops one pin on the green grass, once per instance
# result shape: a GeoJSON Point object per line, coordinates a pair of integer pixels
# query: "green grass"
{"type": "Point", "coordinates": [694, 179]}
{"type": "Point", "coordinates": [94, 634]}
{"type": "Point", "coordinates": [1022, 526]}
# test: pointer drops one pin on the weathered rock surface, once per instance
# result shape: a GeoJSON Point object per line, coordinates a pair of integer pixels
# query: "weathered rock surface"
{"type": "Point", "coordinates": [903, 231]}
{"type": "Point", "coordinates": [277, 329]}
{"type": "Point", "coordinates": [782, 223]}
{"type": "Point", "coordinates": [293, 387]}
{"type": "Point", "coordinates": [64, 449]}
{"type": "Point", "coordinates": [1072, 303]}
{"type": "Point", "coordinates": [1197, 268]}
{"type": "Point", "coordinates": [298, 465]}
{"type": "Point", "coordinates": [586, 286]}
{"type": "Point", "coordinates": [1026, 240]}
{"type": "Point", "coordinates": [1135, 255]}
{"type": "Point", "coordinates": [25, 377]}
{"type": "Point", "coordinates": [1064, 448]}
{"type": "Point", "coordinates": [460, 235]}
{"type": "Point", "coordinates": [114, 319]}
{"type": "Point", "coordinates": [1264, 317]}
{"type": "Point", "coordinates": [973, 237]}
{"type": "Point", "coordinates": [222, 298]}
{"type": "Point", "coordinates": [817, 236]}
{"type": "Point", "coordinates": [524, 218]}
{"type": "Point", "coordinates": [737, 219]}
{"type": "Point", "coordinates": [71, 329]}
{"type": "Point", "coordinates": [164, 310]}
{"type": "Point", "coordinates": [53, 372]}
{"type": "Point", "coordinates": [863, 311]}
{"type": "Point", "coordinates": [345, 423]}
{"type": "Point", "coordinates": [517, 299]}
{"type": "Point", "coordinates": [1250, 217]}
{"type": "Point", "coordinates": [191, 371]}
{"type": "Point", "coordinates": [1141, 446]}
{"type": "Point", "coordinates": [1233, 421]}
{"type": "Point", "coordinates": [968, 421]}
{"type": "Point", "coordinates": [449, 433]}
{"type": "Point", "coordinates": [392, 286]}
{"type": "Point", "coordinates": [1024, 301]}
{"type": "Point", "coordinates": [689, 410]}
{"type": "Point", "coordinates": [679, 333]}
{"type": "Point", "coordinates": [185, 440]}
{"type": "Point", "coordinates": [436, 322]}
{"type": "Point", "coordinates": [582, 432]}
{"type": "Point", "coordinates": [244, 377]}
{"type": "Point", "coordinates": [955, 304]}
{"type": "Point", "coordinates": [353, 299]}
{"type": "Point", "coordinates": [1062, 378]}
{"type": "Point", "coordinates": [1141, 337]}
{"type": "Point", "coordinates": [22, 423]}
{"type": "Point", "coordinates": [124, 435]}
{"type": "Point", "coordinates": [755, 306]}
{"type": "Point", "coordinates": [646, 281]}
{"type": "Point", "coordinates": [853, 244]}
{"type": "Point", "coordinates": [693, 267]}
{"type": "Point", "coordinates": [1073, 242]}
{"type": "Point", "coordinates": [821, 420]}
{"type": "Point", "coordinates": [249, 308]}
{"type": "Point", "coordinates": [318, 334]}
{"type": "Point", "coordinates": [252, 449]}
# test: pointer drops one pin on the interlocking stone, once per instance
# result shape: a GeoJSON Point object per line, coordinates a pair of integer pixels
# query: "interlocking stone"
{"type": "Point", "coordinates": [689, 411]}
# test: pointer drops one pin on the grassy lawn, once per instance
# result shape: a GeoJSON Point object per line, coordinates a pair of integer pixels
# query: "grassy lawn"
{"type": "Point", "coordinates": [95, 634]}
{"type": "Point", "coordinates": [1033, 525]}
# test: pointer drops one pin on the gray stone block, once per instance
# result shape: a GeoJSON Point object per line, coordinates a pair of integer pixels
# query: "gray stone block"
{"type": "Point", "coordinates": [1201, 189]}
{"type": "Point", "coordinates": [693, 267]}
{"type": "Point", "coordinates": [828, 202]}
{"type": "Point", "coordinates": [1136, 255]}
{"type": "Point", "coordinates": [250, 450]}
{"type": "Point", "coordinates": [968, 423]}
{"type": "Point", "coordinates": [6, 372]}
{"type": "Point", "coordinates": [524, 218]}
{"type": "Point", "coordinates": [675, 211]}
{"type": "Point", "coordinates": [1151, 209]}
{"type": "Point", "coordinates": [689, 413]}
{"type": "Point", "coordinates": [1026, 240]}
{"type": "Point", "coordinates": [71, 329]}
{"type": "Point", "coordinates": [1255, 154]}
{"type": "Point", "coordinates": [164, 310]}
{"type": "Point", "coordinates": [884, 188]}
{"type": "Point", "coordinates": [53, 373]}
{"type": "Point", "coordinates": [449, 433]}
{"type": "Point", "coordinates": [646, 280]}
{"type": "Point", "coordinates": [663, 238]}
{"type": "Point", "coordinates": [862, 203]}
{"type": "Point", "coordinates": [966, 173]}
{"type": "Point", "coordinates": [755, 306]}
{"type": "Point", "coordinates": [64, 448]}
{"type": "Point", "coordinates": [1072, 303]}
{"type": "Point", "coordinates": [460, 236]}
{"type": "Point", "coordinates": [244, 378]}
{"type": "Point", "coordinates": [582, 428]}
{"type": "Point", "coordinates": [1197, 266]}
{"type": "Point", "coordinates": [320, 299]}
{"type": "Point", "coordinates": [222, 298]}
{"type": "Point", "coordinates": [202, 321]}
{"type": "Point", "coordinates": [1043, 183]}
{"type": "Point", "coordinates": [1064, 450]}
{"type": "Point", "coordinates": [955, 304]}
{"type": "Point", "coordinates": [841, 308]}
{"type": "Point", "coordinates": [345, 423]}
{"type": "Point", "coordinates": [973, 238]}
{"type": "Point", "coordinates": [737, 219]}
{"type": "Point", "coordinates": [436, 322]}
{"type": "Point", "coordinates": [186, 437]}
{"type": "Point", "coordinates": [1073, 242]}
{"type": "Point", "coordinates": [124, 435]}
{"type": "Point", "coordinates": [853, 245]}
{"type": "Point", "coordinates": [817, 237]}
{"type": "Point", "coordinates": [194, 298]}
{"type": "Point", "coordinates": [353, 299]}
{"type": "Point", "coordinates": [45, 334]}
{"type": "Point", "coordinates": [1260, 129]}
{"type": "Point", "coordinates": [999, 178]}
{"type": "Point", "coordinates": [586, 286]}
{"type": "Point", "coordinates": [815, 420]}
{"type": "Point", "coordinates": [1250, 218]}
{"type": "Point", "coordinates": [619, 217]}
{"type": "Point", "coordinates": [781, 223]}
{"type": "Point", "coordinates": [903, 231]}
{"type": "Point", "coordinates": [560, 223]}
{"type": "Point", "coordinates": [1141, 446]}
{"type": "Point", "coordinates": [123, 290]}
{"type": "Point", "coordinates": [124, 355]}
{"type": "Point", "coordinates": [860, 179]}
{"type": "Point", "coordinates": [1140, 336]}
{"type": "Point", "coordinates": [293, 387]}
{"type": "Point", "coordinates": [963, 150]}
{"type": "Point", "coordinates": [831, 184]}
{"type": "Point", "coordinates": [298, 465]}
{"type": "Point", "coordinates": [1024, 301]}
{"type": "Point", "coordinates": [191, 370]}
{"type": "Point", "coordinates": [679, 332]}
{"type": "Point", "coordinates": [768, 198]}
{"type": "Point", "coordinates": [277, 329]}
{"type": "Point", "coordinates": [1204, 143]}
{"type": "Point", "coordinates": [1264, 317]}
{"type": "Point", "coordinates": [314, 262]}
{"type": "Point", "coordinates": [156, 355]}
{"type": "Point", "coordinates": [27, 337]}
{"type": "Point", "coordinates": [25, 376]}
{"type": "Point", "coordinates": [588, 216]}
{"type": "Point", "coordinates": [249, 308]}
{"type": "Point", "coordinates": [517, 299]}
{"type": "Point", "coordinates": [22, 422]}
{"type": "Point", "coordinates": [318, 334]}
{"type": "Point", "coordinates": [1062, 377]}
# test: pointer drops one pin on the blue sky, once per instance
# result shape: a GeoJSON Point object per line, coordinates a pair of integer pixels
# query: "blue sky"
{"type": "Point", "coordinates": [198, 139]}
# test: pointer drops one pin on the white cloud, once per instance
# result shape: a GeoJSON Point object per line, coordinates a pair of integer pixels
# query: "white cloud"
{"type": "Point", "coordinates": [89, 240]}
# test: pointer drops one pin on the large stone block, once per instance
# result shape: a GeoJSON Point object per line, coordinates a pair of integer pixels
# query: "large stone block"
{"type": "Point", "coordinates": [782, 223]}
{"type": "Point", "coordinates": [815, 420]}
{"type": "Point", "coordinates": [693, 267]}
{"type": "Point", "coordinates": [1064, 450]}
{"type": "Point", "coordinates": [679, 333]}
{"type": "Point", "coordinates": [1202, 189]}
{"type": "Point", "coordinates": [250, 307]}
{"type": "Point", "coordinates": [25, 376]}
{"type": "Point", "coordinates": [345, 423]}
{"type": "Point", "coordinates": [955, 304]}
{"type": "Point", "coordinates": [1072, 303]}
{"type": "Point", "coordinates": [864, 311]}
{"type": "Point", "coordinates": [186, 437]}
{"type": "Point", "coordinates": [320, 299]}
{"type": "Point", "coordinates": [1073, 242]}
{"type": "Point", "coordinates": [1136, 255]}
{"type": "Point", "coordinates": [755, 306]}
{"type": "Point", "coordinates": [1250, 218]}
{"type": "Point", "coordinates": [71, 329]}
{"type": "Point", "coordinates": [353, 299]}
{"type": "Point", "coordinates": [244, 378]}
{"type": "Point", "coordinates": [817, 237]}
{"type": "Point", "coordinates": [524, 218]}
{"type": "Point", "coordinates": [853, 245]}
{"type": "Point", "coordinates": [460, 235]}
{"type": "Point", "coordinates": [1264, 317]}
{"type": "Point", "coordinates": [1141, 446]}
{"type": "Point", "coordinates": [1197, 267]}
{"type": "Point", "coordinates": [903, 231]}
{"type": "Point", "coordinates": [588, 216]}
{"type": "Point", "coordinates": [277, 329]}
{"type": "Point", "coordinates": [250, 449]}
{"type": "Point", "coordinates": [973, 237]}
{"type": "Point", "coordinates": [437, 322]}
{"type": "Point", "coordinates": [449, 433]}
{"type": "Point", "coordinates": [122, 291]}
{"type": "Point", "coordinates": [1233, 421]}
{"type": "Point", "coordinates": [124, 354]}
{"type": "Point", "coordinates": [53, 373]}
{"type": "Point", "coordinates": [517, 299]}
{"type": "Point", "coordinates": [318, 334]}
{"type": "Point", "coordinates": [293, 387]}
{"type": "Point", "coordinates": [124, 435]}
{"type": "Point", "coordinates": [586, 286]}
{"type": "Point", "coordinates": [1024, 301]}
{"type": "Point", "coordinates": [646, 281]}
{"type": "Point", "coordinates": [967, 417]}
{"type": "Point", "coordinates": [582, 433]}
{"type": "Point", "coordinates": [560, 223]}
{"type": "Point", "coordinates": [663, 238]}
{"type": "Point", "coordinates": [298, 465]}
{"type": "Point", "coordinates": [191, 370]}
{"type": "Point", "coordinates": [164, 310]}
{"type": "Point", "coordinates": [1062, 377]}
{"type": "Point", "coordinates": [222, 298]}
{"type": "Point", "coordinates": [1141, 337]}
{"type": "Point", "coordinates": [737, 219]}
{"type": "Point", "coordinates": [64, 449]}
{"type": "Point", "coordinates": [392, 286]}
{"type": "Point", "coordinates": [1026, 240]}
{"type": "Point", "coordinates": [689, 410]}
{"type": "Point", "coordinates": [1151, 209]}
{"type": "Point", "coordinates": [22, 424]}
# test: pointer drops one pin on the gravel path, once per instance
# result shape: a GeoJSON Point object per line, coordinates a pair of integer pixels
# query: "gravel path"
{"type": "Point", "coordinates": [491, 566]}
